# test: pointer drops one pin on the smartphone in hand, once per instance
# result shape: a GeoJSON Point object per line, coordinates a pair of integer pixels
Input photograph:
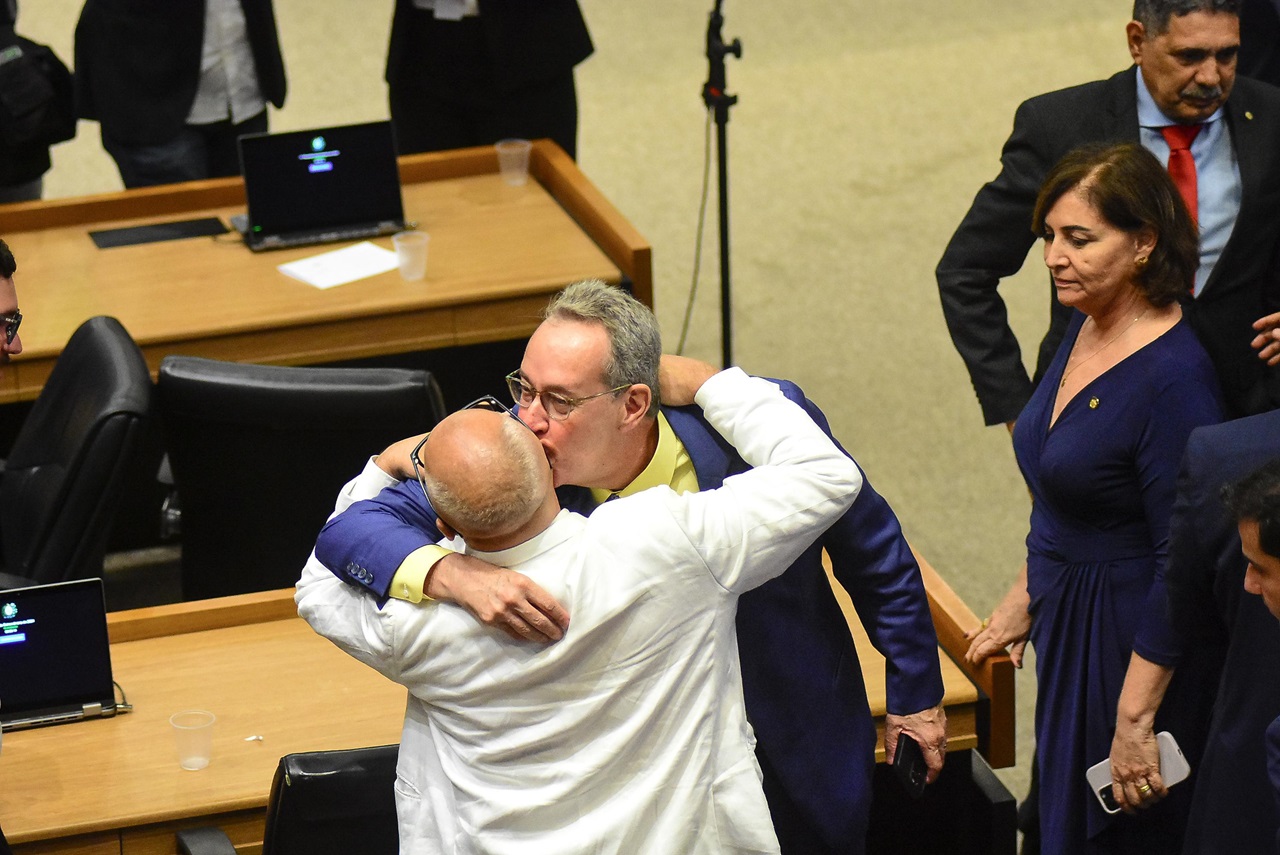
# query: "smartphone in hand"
{"type": "Point", "coordinates": [909, 765]}
{"type": "Point", "coordinates": [1173, 769]}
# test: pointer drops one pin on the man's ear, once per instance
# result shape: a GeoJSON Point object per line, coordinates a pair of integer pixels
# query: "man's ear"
{"type": "Point", "coordinates": [446, 530]}
{"type": "Point", "coordinates": [1136, 35]}
{"type": "Point", "coordinates": [636, 401]}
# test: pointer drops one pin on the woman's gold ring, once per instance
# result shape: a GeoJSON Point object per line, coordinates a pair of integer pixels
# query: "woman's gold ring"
{"type": "Point", "coordinates": [985, 622]}
{"type": "Point", "coordinates": [1144, 788]}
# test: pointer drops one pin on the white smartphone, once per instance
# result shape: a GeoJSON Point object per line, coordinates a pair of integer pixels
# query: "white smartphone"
{"type": "Point", "coordinates": [1173, 768]}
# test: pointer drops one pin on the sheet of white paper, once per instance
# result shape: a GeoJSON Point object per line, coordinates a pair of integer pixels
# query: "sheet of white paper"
{"type": "Point", "coordinates": [341, 265]}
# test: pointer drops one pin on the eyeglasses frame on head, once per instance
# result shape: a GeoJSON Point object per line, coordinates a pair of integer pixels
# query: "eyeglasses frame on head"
{"type": "Point", "coordinates": [11, 323]}
{"type": "Point", "coordinates": [484, 402]}
{"type": "Point", "coordinates": [516, 386]}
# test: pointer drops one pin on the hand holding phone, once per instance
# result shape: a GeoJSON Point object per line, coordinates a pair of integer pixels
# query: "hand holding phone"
{"type": "Point", "coordinates": [1173, 769]}
{"type": "Point", "coordinates": [909, 765]}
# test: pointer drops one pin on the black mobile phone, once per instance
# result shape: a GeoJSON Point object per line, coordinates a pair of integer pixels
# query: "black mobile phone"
{"type": "Point", "coordinates": [909, 765]}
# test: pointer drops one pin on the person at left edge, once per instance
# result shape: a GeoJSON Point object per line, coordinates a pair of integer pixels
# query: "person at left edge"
{"type": "Point", "coordinates": [36, 110]}
{"type": "Point", "coordinates": [173, 83]}
{"type": "Point", "coordinates": [10, 317]}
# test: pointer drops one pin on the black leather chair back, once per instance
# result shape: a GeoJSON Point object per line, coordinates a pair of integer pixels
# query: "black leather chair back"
{"type": "Point", "coordinates": [64, 476]}
{"type": "Point", "coordinates": [334, 803]}
{"type": "Point", "coordinates": [259, 453]}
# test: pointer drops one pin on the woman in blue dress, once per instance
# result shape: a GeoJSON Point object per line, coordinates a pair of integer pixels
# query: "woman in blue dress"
{"type": "Point", "coordinates": [1099, 445]}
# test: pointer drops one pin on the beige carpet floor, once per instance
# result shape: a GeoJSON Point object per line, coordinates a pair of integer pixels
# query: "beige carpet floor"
{"type": "Point", "coordinates": [863, 130]}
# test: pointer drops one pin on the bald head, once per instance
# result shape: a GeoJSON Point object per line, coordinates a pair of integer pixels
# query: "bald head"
{"type": "Point", "coordinates": [487, 477]}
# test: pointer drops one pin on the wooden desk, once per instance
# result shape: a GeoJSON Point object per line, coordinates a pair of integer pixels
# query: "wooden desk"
{"type": "Point", "coordinates": [114, 786]}
{"type": "Point", "coordinates": [497, 254]}
{"type": "Point", "coordinates": [980, 702]}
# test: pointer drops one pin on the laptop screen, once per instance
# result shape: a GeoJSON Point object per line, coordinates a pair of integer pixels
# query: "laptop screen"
{"type": "Point", "coordinates": [54, 650]}
{"type": "Point", "coordinates": [301, 181]}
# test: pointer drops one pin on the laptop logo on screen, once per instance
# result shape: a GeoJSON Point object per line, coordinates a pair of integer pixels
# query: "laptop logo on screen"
{"type": "Point", "coordinates": [10, 628]}
{"type": "Point", "coordinates": [321, 159]}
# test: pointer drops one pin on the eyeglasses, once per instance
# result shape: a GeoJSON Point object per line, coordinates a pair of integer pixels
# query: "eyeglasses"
{"type": "Point", "coordinates": [485, 402]}
{"type": "Point", "coordinates": [11, 324]}
{"type": "Point", "coordinates": [557, 406]}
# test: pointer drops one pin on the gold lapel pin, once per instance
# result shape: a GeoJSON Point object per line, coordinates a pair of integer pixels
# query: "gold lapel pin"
{"type": "Point", "coordinates": [1093, 403]}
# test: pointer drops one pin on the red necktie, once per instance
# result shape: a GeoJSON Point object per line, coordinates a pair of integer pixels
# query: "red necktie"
{"type": "Point", "coordinates": [1182, 166]}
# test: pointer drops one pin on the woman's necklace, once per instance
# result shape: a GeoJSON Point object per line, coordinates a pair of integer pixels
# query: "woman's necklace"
{"type": "Point", "coordinates": [1110, 342]}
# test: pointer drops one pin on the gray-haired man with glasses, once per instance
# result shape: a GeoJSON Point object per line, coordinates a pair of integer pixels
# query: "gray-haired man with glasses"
{"type": "Point", "coordinates": [10, 317]}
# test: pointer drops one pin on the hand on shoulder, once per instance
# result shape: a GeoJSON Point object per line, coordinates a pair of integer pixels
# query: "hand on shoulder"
{"type": "Point", "coordinates": [680, 378]}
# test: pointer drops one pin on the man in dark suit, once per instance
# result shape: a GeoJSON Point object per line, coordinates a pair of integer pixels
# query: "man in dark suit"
{"type": "Point", "coordinates": [1255, 503]}
{"type": "Point", "coordinates": [1232, 809]}
{"type": "Point", "coordinates": [175, 82]}
{"type": "Point", "coordinates": [584, 388]}
{"type": "Point", "coordinates": [1184, 75]}
{"type": "Point", "coordinates": [472, 72]}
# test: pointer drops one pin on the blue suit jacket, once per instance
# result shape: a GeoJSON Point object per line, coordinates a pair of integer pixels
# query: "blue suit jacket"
{"type": "Point", "coordinates": [801, 677]}
{"type": "Point", "coordinates": [1233, 809]}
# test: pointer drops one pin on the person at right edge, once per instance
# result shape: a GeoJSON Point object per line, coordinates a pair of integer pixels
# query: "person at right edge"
{"type": "Point", "coordinates": [1099, 445]}
{"type": "Point", "coordinates": [1183, 83]}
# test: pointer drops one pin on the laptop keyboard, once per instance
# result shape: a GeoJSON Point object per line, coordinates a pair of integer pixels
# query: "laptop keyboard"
{"type": "Point", "coordinates": [328, 235]}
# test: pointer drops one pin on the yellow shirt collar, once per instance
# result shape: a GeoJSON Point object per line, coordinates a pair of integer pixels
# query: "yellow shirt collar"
{"type": "Point", "coordinates": [670, 466]}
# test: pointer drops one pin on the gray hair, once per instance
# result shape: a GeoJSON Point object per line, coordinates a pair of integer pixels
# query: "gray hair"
{"type": "Point", "coordinates": [635, 344]}
{"type": "Point", "coordinates": [1154, 15]}
{"type": "Point", "coordinates": [498, 496]}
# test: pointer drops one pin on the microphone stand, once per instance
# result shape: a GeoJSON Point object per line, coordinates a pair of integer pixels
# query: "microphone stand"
{"type": "Point", "coordinates": [714, 96]}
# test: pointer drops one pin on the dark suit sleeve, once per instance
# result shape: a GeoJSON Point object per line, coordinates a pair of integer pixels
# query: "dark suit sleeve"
{"type": "Point", "coordinates": [990, 244]}
{"type": "Point", "coordinates": [1198, 523]}
{"type": "Point", "coordinates": [1178, 410]}
{"type": "Point", "coordinates": [872, 561]}
{"type": "Point", "coordinates": [366, 544]}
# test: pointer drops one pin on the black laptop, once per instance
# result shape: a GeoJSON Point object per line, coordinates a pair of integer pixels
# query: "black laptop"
{"type": "Point", "coordinates": [55, 658]}
{"type": "Point", "coordinates": [320, 186]}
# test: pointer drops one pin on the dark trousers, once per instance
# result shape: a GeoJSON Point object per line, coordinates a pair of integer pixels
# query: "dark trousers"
{"type": "Point", "coordinates": [796, 835]}
{"type": "Point", "coordinates": [198, 151]}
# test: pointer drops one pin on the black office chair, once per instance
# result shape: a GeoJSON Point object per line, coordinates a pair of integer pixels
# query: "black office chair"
{"type": "Point", "coordinates": [322, 803]}
{"type": "Point", "coordinates": [258, 454]}
{"type": "Point", "coordinates": [64, 477]}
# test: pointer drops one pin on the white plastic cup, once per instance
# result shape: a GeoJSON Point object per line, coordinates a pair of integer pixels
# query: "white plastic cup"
{"type": "Point", "coordinates": [411, 254]}
{"type": "Point", "coordinates": [193, 734]}
{"type": "Point", "coordinates": [513, 160]}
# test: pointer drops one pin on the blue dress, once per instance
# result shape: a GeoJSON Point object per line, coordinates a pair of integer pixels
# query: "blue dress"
{"type": "Point", "coordinates": [1103, 480]}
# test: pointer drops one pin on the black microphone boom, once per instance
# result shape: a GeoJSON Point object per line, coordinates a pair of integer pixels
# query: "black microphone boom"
{"type": "Point", "coordinates": [715, 97]}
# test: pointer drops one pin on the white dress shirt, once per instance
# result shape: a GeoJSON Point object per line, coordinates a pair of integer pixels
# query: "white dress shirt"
{"type": "Point", "coordinates": [228, 77]}
{"type": "Point", "coordinates": [629, 735]}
